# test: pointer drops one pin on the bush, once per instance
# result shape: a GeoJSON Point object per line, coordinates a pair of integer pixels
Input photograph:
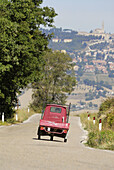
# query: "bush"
{"type": "Point", "coordinates": [24, 115]}
{"type": "Point", "coordinates": [107, 104]}
{"type": "Point", "coordinates": [110, 118]}
{"type": "Point", "coordinates": [92, 139]}
{"type": "Point", "coordinates": [95, 105]}
{"type": "Point", "coordinates": [103, 139]}
{"type": "Point", "coordinates": [89, 98]}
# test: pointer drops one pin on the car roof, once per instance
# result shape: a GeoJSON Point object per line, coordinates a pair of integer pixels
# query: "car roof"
{"type": "Point", "coordinates": [56, 105]}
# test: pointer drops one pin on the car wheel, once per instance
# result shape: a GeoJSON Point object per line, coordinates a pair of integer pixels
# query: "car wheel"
{"type": "Point", "coordinates": [65, 140]}
{"type": "Point", "coordinates": [51, 138]}
{"type": "Point", "coordinates": [39, 133]}
{"type": "Point", "coordinates": [38, 137]}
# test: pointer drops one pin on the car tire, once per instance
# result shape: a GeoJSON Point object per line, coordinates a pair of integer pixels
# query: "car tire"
{"type": "Point", "coordinates": [65, 140]}
{"type": "Point", "coordinates": [51, 138]}
{"type": "Point", "coordinates": [39, 133]}
{"type": "Point", "coordinates": [38, 137]}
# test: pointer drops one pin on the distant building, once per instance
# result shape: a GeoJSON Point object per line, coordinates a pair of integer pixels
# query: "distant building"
{"type": "Point", "coordinates": [67, 30]}
{"type": "Point", "coordinates": [111, 65]}
{"type": "Point", "coordinates": [63, 51]}
{"type": "Point", "coordinates": [85, 60]}
{"type": "Point", "coordinates": [99, 62]}
{"type": "Point", "coordinates": [76, 68]}
{"type": "Point", "coordinates": [88, 53]}
{"type": "Point", "coordinates": [89, 68]}
{"type": "Point", "coordinates": [74, 60]}
{"type": "Point", "coordinates": [99, 30]}
{"type": "Point", "coordinates": [84, 33]}
{"type": "Point", "coordinates": [96, 32]}
{"type": "Point", "coordinates": [102, 68]}
{"type": "Point", "coordinates": [67, 40]}
{"type": "Point", "coordinates": [79, 59]}
{"type": "Point", "coordinates": [56, 40]}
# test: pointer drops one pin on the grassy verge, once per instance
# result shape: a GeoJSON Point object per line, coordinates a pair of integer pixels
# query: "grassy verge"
{"type": "Point", "coordinates": [23, 115]}
{"type": "Point", "coordinates": [8, 122]}
{"type": "Point", "coordinates": [103, 139]}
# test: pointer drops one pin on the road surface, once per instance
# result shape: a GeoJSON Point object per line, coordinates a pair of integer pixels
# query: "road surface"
{"type": "Point", "coordinates": [20, 150]}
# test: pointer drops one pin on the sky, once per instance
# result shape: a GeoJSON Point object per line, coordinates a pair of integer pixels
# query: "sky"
{"type": "Point", "coordinates": [83, 15]}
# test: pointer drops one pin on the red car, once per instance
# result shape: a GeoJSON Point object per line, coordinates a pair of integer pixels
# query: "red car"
{"type": "Point", "coordinates": [54, 121]}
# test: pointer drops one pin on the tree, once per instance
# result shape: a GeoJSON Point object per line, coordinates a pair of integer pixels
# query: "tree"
{"type": "Point", "coordinates": [90, 104]}
{"type": "Point", "coordinates": [80, 72]}
{"type": "Point", "coordinates": [56, 81]}
{"type": "Point", "coordinates": [21, 47]}
{"type": "Point", "coordinates": [91, 31]}
{"type": "Point", "coordinates": [107, 110]}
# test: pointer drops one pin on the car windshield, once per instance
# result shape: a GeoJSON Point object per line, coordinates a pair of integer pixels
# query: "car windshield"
{"type": "Point", "coordinates": [55, 109]}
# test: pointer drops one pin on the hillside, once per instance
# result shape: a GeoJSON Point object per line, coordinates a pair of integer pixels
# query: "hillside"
{"type": "Point", "coordinates": [93, 59]}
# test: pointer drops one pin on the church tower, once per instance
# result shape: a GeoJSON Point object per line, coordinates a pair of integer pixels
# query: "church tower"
{"type": "Point", "coordinates": [103, 26]}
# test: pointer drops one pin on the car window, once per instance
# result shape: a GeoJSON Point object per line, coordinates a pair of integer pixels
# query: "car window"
{"type": "Point", "coordinates": [55, 109]}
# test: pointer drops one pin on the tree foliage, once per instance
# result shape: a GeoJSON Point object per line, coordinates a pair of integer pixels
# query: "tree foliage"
{"type": "Point", "coordinates": [107, 109]}
{"type": "Point", "coordinates": [21, 46]}
{"type": "Point", "coordinates": [56, 81]}
{"type": "Point", "coordinates": [107, 104]}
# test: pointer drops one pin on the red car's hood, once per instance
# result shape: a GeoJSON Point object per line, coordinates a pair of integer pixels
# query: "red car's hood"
{"type": "Point", "coordinates": [54, 125]}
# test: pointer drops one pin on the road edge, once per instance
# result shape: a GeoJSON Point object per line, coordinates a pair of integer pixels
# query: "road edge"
{"type": "Point", "coordinates": [84, 139]}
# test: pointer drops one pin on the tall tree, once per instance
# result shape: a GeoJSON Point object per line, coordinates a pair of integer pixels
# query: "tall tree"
{"type": "Point", "coordinates": [21, 46]}
{"type": "Point", "coordinates": [58, 79]}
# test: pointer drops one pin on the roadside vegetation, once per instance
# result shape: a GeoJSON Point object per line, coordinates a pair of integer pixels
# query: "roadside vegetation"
{"type": "Point", "coordinates": [22, 45]}
{"type": "Point", "coordinates": [58, 78]}
{"type": "Point", "coordinates": [103, 139]}
{"type": "Point", "coordinates": [23, 115]}
{"type": "Point", "coordinates": [25, 58]}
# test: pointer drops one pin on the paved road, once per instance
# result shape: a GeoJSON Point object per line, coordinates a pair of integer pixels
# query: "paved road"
{"type": "Point", "coordinates": [20, 150]}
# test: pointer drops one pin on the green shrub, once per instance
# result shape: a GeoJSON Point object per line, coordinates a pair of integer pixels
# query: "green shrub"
{"type": "Point", "coordinates": [110, 118]}
{"type": "Point", "coordinates": [107, 104]}
{"type": "Point", "coordinates": [92, 139]}
{"type": "Point", "coordinates": [11, 121]}
{"type": "Point", "coordinates": [24, 115]}
{"type": "Point", "coordinates": [103, 139]}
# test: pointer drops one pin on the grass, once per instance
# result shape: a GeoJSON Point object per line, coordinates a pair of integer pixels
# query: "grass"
{"type": "Point", "coordinates": [23, 115]}
{"type": "Point", "coordinates": [98, 77]}
{"type": "Point", "coordinates": [8, 122]}
{"type": "Point", "coordinates": [103, 139]}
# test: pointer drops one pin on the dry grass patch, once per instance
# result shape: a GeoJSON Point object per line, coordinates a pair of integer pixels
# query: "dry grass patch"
{"type": "Point", "coordinates": [23, 114]}
{"type": "Point", "coordinates": [103, 139]}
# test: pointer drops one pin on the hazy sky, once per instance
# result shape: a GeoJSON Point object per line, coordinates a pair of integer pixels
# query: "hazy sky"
{"type": "Point", "coordinates": [83, 15]}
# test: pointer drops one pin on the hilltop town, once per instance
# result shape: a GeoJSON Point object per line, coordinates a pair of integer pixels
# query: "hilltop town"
{"type": "Point", "coordinates": [93, 59]}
